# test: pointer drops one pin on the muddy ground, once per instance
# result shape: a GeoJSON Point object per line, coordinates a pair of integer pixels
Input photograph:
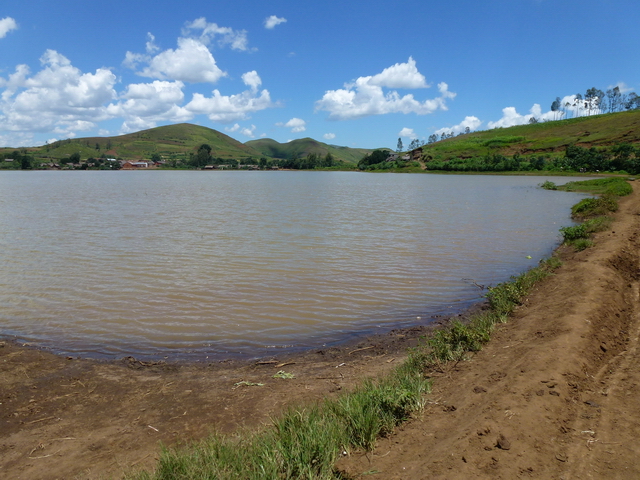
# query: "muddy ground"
{"type": "Point", "coordinates": [555, 395]}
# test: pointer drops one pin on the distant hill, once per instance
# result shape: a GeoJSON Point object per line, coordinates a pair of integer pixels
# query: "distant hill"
{"type": "Point", "coordinates": [180, 140]}
{"type": "Point", "coordinates": [171, 141]}
{"type": "Point", "coordinates": [548, 138]}
{"type": "Point", "coordinates": [305, 146]}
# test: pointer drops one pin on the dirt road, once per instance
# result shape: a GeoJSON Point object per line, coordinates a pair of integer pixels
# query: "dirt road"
{"type": "Point", "coordinates": [554, 395]}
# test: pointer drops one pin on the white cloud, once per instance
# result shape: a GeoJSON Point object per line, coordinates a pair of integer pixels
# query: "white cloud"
{"type": "Point", "coordinates": [151, 47]}
{"type": "Point", "coordinates": [227, 109]}
{"type": "Point", "coordinates": [473, 123]}
{"type": "Point", "coordinates": [59, 97]}
{"type": "Point", "coordinates": [407, 133]}
{"type": "Point", "coordinates": [143, 105]}
{"type": "Point", "coordinates": [329, 136]}
{"type": "Point", "coordinates": [190, 62]}
{"type": "Point", "coordinates": [7, 24]}
{"type": "Point", "coordinates": [248, 131]}
{"type": "Point", "coordinates": [235, 128]}
{"type": "Point", "coordinates": [400, 75]}
{"type": "Point", "coordinates": [623, 87]}
{"type": "Point", "coordinates": [296, 125]}
{"type": "Point", "coordinates": [365, 96]}
{"type": "Point", "coordinates": [236, 39]}
{"type": "Point", "coordinates": [272, 21]}
{"type": "Point", "coordinates": [252, 79]}
{"type": "Point", "coordinates": [511, 117]}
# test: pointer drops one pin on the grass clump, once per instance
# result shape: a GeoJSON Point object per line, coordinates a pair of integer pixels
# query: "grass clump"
{"type": "Point", "coordinates": [303, 443]}
{"type": "Point", "coordinates": [591, 207]}
{"type": "Point", "coordinates": [459, 339]}
{"type": "Point", "coordinates": [548, 185]}
{"type": "Point", "coordinates": [594, 210]}
{"type": "Point", "coordinates": [616, 186]}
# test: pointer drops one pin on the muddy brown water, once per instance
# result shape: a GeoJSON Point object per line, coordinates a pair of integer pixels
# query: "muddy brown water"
{"type": "Point", "coordinates": [214, 264]}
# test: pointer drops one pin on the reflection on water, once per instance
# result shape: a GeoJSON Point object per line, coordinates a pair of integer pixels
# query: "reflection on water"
{"type": "Point", "coordinates": [216, 263]}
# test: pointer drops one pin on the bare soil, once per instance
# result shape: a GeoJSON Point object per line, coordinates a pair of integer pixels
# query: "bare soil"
{"type": "Point", "coordinates": [555, 395]}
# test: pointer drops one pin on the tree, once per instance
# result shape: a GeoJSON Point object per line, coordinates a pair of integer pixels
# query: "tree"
{"type": "Point", "coordinates": [377, 156]}
{"type": "Point", "coordinates": [329, 161]}
{"type": "Point", "coordinates": [155, 158]}
{"type": "Point", "coordinates": [203, 157]}
{"type": "Point", "coordinates": [633, 101]}
{"type": "Point", "coordinates": [556, 106]}
{"type": "Point", "coordinates": [399, 148]}
{"type": "Point", "coordinates": [592, 99]}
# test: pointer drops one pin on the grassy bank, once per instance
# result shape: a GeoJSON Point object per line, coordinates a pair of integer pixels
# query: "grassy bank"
{"type": "Point", "coordinates": [306, 441]}
{"type": "Point", "coordinates": [593, 212]}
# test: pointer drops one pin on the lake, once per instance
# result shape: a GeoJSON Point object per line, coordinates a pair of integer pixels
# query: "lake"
{"type": "Point", "coordinates": [186, 264]}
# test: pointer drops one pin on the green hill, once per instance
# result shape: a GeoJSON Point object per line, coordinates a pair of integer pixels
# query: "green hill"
{"type": "Point", "coordinates": [549, 138]}
{"type": "Point", "coordinates": [306, 146]}
{"type": "Point", "coordinates": [171, 141]}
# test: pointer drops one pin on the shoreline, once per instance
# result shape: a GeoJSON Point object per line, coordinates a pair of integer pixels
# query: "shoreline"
{"type": "Point", "coordinates": [566, 363]}
{"type": "Point", "coordinates": [200, 355]}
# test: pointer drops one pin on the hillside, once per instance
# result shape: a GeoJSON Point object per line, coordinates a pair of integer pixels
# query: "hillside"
{"type": "Point", "coordinates": [549, 138]}
{"type": "Point", "coordinates": [171, 141]}
{"type": "Point", "coordinates": [305, 146]}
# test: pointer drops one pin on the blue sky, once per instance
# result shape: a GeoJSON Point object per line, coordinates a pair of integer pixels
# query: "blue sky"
{"type": "Point", "coordinates": [354, 73]}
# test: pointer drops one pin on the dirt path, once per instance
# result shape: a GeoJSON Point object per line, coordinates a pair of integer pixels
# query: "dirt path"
{"type": "Point", "coordinates": [555, 395]}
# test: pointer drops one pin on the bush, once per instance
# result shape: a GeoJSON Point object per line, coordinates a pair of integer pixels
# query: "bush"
{"type": "Point", "coordinates": [549, 185]}
{"type": "Point", "coordinates": [590, 207]}
{"type": "Point", "coordinates": [573, 233]}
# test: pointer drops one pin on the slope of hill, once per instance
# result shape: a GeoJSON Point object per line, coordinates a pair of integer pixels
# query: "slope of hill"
{"type": "Point", "coordinates": [549, 138]}
{"type": "Point", "coordinates": [171, 141]}
{"type": "Point", "coordinates": [305, 146]}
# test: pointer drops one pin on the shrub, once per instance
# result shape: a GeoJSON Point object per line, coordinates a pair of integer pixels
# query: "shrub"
{"type": "Point", "coordinates": [573, 233]}
{"type": "Point", "coordinates": [590, 207]}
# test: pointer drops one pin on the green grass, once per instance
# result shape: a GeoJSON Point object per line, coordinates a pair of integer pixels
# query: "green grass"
{"type": "Point", "coordinates": [549, 139]}
{"type": "Point", "coordinates": [594, 211]}
{"type": "Point", "coordinates": [616, 186]}
{"type": "Point", "coordinates": [304, 442]}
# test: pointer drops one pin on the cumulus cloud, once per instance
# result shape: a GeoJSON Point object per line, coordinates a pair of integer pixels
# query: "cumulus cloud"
{"type": "Point", "coordinates": [209, 33]}
{"type": "Point", "coordinates": [296, 125]}
{"type": "Point", "coordinates": [7, 24]}
{"type": "Point", "coordinates": [248, 131]}
{"type": "Point", "coordinates": [511, 117]}
{"type": "Point", "coordinates": [366, 95]}
{"type": "Point", "coordinates": [61, 100]}
{"type": "Point", "coordinates": [191, 62]}
{"type": "Point", "coordinates": [623, 87]}
{"type": "Point", "coordinates": [231, 108]}
{"type": "Point", "coordinates": [470, 122]}
{"type": "Point", "coordinates": [407, 133]}
{"type": "Point", "coordinates": [400, 75]}
{"type": "Point", "coordinates": [252, 79]}
{"type": "Point", "coordinates": [271, 22]}
{"type": "Point", "coordinates": [143, 105]}
{"type": "Point", "coordinates": [329, 136]}
{"type": "Point", "coordinates": [58, 98]}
